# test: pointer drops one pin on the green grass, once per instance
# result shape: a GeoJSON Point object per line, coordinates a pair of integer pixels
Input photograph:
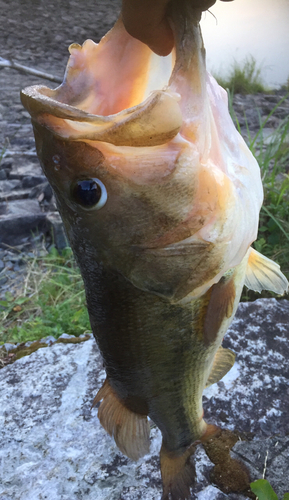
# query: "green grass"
{"type": "Point", "coordinates": [50, 302]}
{"type": "Point", "coordinates": [243, 79]}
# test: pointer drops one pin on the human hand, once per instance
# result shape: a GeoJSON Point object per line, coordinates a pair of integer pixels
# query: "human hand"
{"type": "Point", "coordinates": [147, 21]}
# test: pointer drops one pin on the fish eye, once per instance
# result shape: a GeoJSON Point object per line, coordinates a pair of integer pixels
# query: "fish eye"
{"type": "Point", "coordinates": [89, 193]}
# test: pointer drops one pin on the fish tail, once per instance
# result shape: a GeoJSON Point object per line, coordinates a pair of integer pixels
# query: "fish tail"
{"type": "Point", "coordinates": [130, 430]}
{"type": "Point", "coordinates": [178, 471]}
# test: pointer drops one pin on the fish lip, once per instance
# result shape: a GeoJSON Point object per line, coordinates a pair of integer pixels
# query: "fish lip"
{"type": "Point", "coordinates": [36, 100]}
{"type": "Point", "coordinates": [142, 125]}
{"type": "Point", "coordinates": [47, 104]}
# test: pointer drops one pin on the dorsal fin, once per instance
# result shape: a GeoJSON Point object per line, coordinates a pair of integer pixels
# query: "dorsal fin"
{"type": "Point", "coordinates": [264, 274]}
{"type": "Point", "coordinates": [130, 430]}
{"type": "Point", "coordinates": [223, 362]}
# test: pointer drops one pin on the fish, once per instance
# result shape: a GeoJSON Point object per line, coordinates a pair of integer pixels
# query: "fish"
{"type": "Point", "coordinates": [160, 199]}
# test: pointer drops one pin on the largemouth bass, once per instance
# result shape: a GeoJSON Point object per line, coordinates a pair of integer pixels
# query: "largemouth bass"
{"type": "Point", "coordinates": [160, 198]}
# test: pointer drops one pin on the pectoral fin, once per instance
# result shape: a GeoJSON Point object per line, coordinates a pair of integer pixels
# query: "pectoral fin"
{"type": "Point", "coordinates": [223, 362]}
{"type": "Point", "coordinates": [264, 274]}
{"type": "Point", "coordinates": [220, 307]}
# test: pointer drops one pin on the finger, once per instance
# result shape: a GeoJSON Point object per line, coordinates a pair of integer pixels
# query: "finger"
{"type": "Point", "coordinates": [146, 20]}
{"type": "Point", "coordinates": [203, 4]}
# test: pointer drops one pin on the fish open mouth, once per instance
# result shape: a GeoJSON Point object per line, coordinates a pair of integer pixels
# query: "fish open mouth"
{"type": "Point", "coordinates": [115, 91]}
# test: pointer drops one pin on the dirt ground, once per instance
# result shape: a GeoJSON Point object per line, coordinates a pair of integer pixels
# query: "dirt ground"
{"type": "Point", "coordinates": [37, 33]}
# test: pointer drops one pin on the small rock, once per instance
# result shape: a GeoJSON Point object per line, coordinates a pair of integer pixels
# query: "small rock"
{"type": "Point", "coordinates": [20, 194]}
{"type": "Point", "coordinates": [25, 114]}
{"type": "Point", "coordinates": [30, 181]}
{"type": "Point", "coordinates": [9, 346]}
{"type": "Point", "coordinates": [31, 255]}
{"type": "Point", "coordinates": [7, 164]}
{"type": "Point", "coordinates": [41, 197]}
{"type": "Point", "coordinates": [13, 257]}
{"type": "Point", "coordinates": [9, 265]}
{"type": "Point", "coordinates": [66, 336]}
{"type": "Point", "coordinates": [42, 189]}
{"type": "Point", "coordinates": [9, 185]}
{"type": "Point", "coordinates": [273, 98]}
{"type": "Point", "coordinates": [19, 219]}
{"type": "Point", "coordinates": [48, 193]}
{"type": "Point", "coordinates": [29, 168]}
{"type": "Point", "coordinates": [3, 280]}
{"type": "Point", "coordinates": [281, 112]}
{"type": "Point", "coordinates": [57, 230]}
{"type": "Point", "coordinates": [83, 335]}
{"type": "Point", "coordinates": [13, 228]}
{"type": "Point", "coordinates": [19, 207]}
{"type": "Point", "coordinates": [48, 340]}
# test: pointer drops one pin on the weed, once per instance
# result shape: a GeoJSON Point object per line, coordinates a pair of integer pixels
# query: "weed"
{"type": "Point", "coordinates": [244, 79]}
{"type": "Point", "coordinates": [51, 302]}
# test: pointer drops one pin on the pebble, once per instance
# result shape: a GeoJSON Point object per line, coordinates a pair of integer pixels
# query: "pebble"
{"type": "Point", "coordinates": [9, 346]}
{"type": "Point", "coordinates": [30, 181]}
{"type": "Point", "coordinates": [48, 340]}
{"type": "Point", "coordinates": [9, 265]}
{"type": "Point", "coordinates": [66, 336]}
{"type": "Point", "coordinates": [8, 185]}
{"type": "Point", "coordinates": [3, 281]}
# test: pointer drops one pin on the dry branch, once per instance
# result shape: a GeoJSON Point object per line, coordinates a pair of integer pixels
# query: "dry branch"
{"type": "Point", "coordinates": [6, 63]}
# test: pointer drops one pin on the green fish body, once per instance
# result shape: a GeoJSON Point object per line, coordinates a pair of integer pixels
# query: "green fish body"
{"type": "Point", "coordinates": [160, 198]}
